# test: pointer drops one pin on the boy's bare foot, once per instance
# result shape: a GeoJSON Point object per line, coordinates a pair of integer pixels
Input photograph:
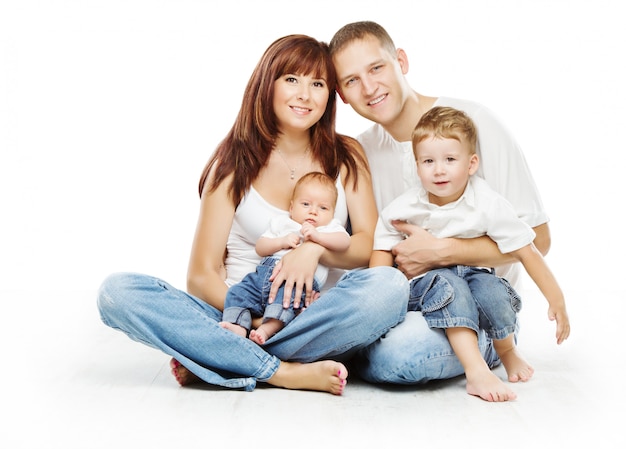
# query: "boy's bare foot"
{"type": "Point", "coordinates": [489, 387]}
{"type": "Point", "coordinates": [183, 375]}
{"type": "Point", "coordinates": [517, 369]}
{"type": "Point", "coordinates": [259, 336]}
{"type": "Point", "coordinates": [235, 328]}
{"type": "Point", "coordinates": [325, 375]}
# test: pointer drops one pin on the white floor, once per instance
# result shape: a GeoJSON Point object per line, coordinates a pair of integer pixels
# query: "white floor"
{"type": "Point", "coordinates": [70, 382]}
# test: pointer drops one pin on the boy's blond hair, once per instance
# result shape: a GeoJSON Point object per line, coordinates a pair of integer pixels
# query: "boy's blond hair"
{"type": "Point", "coordinates": [445, 123]}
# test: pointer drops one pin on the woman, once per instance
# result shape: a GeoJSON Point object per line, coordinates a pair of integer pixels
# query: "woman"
{"type": "Point", "coordinates": [284, 129]}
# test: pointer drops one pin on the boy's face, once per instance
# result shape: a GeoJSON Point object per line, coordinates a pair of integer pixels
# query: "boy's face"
{"type": "Point", "coordinates": [444, 167]}
{"type": "Point", "coordinates": [370, 79]}
{"type": "Point", "coordinates": [314, 204]}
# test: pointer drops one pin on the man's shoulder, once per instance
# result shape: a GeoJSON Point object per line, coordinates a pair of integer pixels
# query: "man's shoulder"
{"type": "Point", "coordinates": [373, 133]}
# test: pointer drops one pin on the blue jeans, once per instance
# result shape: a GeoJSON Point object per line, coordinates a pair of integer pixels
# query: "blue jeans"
{"type": "Point", "coordinates": [462, 296]}
{"type": "Point", "coordinates": [364, 305]}
{"type": "Point", "coordinates": [249, 298]}
{"type": "Point", "coordinates": [414, 352]}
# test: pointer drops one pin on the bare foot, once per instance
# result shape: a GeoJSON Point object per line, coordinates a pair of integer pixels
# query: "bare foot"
{"type": "Point", "coordinates": [517, 369]}
{"type": "Point", "coordinates": [325, 375]}
{"type": "Point", "coordinates": [489, 387]}
{"type": "Point", "coordinates": [183, 375]}
{"type": "Point", "coordinates": [234, 328]}
{"type": "Point", "coordinates": [258, 336]}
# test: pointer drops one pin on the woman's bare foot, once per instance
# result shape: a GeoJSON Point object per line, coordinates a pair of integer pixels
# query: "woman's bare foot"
{"type": "Point", "coordinates": [517, 369]}
{"type": "Point", "coordinates": [325, 375]}
{"type": "Point", "coordinates": [489, 387]}
{"type": "Point", "coordinates": [259, 336]}
{"type": "Point", "coordinates": [234, 328]}
{"type": "Point", "coordinates": [183, 375]}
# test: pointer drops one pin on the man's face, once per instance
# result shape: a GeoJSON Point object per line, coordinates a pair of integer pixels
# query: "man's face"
{"type": "Point", "coordinates": [370, 80]}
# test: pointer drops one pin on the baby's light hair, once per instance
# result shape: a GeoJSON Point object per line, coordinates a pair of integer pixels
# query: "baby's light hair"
{"type": "Point", "coordinates": [320, 178]}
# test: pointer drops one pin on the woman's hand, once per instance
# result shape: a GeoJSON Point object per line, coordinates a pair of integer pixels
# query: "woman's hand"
{"type": "Point", "coordinates": [296, 269]}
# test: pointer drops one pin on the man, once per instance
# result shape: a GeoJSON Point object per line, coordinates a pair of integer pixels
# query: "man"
{"type": "Point", "coordinates": [371, 78]}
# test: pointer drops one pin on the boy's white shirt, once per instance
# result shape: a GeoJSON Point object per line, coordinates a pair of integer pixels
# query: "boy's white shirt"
{"type": "Point", "coordinates": [502, 165]}
{"type": "Point", "coordinates": [479, 211]}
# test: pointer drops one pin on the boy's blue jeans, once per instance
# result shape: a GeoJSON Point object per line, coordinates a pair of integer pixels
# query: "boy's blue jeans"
{"type": "Point", "coordinates": [462, 296]}
{"type": "Point", "coordinates": [415, 353]}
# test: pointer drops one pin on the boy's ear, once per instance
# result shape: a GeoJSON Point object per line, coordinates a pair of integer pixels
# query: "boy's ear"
{"type": "Point", "coordinates": [341, 96]}
{"type": "Point", "coordinates": [473, 167]}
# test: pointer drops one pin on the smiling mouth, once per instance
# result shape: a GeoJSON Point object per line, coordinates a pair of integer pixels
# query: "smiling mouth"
{"type": "Point", "coordinates": [299, 109]}
{"type": "Point", "coordinates": [377, 100]}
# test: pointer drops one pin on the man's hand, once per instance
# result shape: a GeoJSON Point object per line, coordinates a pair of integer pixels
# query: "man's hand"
{"type": "Point", "coordinates": [416, 254]}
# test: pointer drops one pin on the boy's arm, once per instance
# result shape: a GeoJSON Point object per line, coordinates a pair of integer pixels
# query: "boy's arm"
{"type": "Point", "coordinates": [538, 269]}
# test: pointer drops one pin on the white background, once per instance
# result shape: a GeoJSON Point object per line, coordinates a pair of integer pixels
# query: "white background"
{"type": "Point", "coordinates": [109, 110]}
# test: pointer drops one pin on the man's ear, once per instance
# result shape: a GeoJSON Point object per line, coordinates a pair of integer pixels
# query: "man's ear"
{"type": "Point", "coordinates": [341, 96]}
{"type": "Point", "coordinates": [403, 60]}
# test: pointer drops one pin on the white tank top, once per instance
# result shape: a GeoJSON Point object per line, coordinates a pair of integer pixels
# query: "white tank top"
{"type": "Point", "coordinates": [252, 218]}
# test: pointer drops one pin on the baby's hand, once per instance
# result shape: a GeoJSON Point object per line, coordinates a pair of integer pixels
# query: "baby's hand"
{"type": "Point", "coordinates": [559, 313]}
{"type": "Point", "coordinates": [292, 240]}
{"type": "Point", "coordinates": [308, 231]}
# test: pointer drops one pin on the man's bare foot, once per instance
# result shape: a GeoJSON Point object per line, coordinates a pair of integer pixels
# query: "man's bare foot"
{"type": "Point", "coordinates": [517, 369]}
{"type": "Point", "coordinates": [489, 387]}
{"type": "Point", "coordinates": [325, 375]}
{"type": "Point", "coordinates": [259, 336]}
{"type": "Point", "coordinates": [183, 375]}
{"type": "Point", "coordinates": [235, 328]}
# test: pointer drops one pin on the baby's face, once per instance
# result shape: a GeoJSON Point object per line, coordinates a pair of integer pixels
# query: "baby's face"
{"type": "Point", "coordinates": [313, 204]}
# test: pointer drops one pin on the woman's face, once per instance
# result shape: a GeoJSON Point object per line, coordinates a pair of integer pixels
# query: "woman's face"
{"type": "Point", "coordinates": [299, 101]}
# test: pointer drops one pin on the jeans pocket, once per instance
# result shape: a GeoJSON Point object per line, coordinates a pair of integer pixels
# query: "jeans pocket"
{"type": "Point", "coordinates": [514, 298]}
{"type": "Point", "coordinates": [429, 293]}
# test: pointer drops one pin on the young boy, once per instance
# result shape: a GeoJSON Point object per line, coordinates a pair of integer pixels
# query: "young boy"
{"type": "Point", "coordinates": [311, 218]}
{"type": "Point", "coordinates": [452, 202]}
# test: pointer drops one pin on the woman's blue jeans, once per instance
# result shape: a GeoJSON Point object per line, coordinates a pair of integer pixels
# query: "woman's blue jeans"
{"type": "Point", "coordinates": [362, 307]}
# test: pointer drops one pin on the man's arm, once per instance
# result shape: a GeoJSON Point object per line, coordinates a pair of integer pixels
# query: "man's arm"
{"type": "Point", "coordinates": [421, 251]}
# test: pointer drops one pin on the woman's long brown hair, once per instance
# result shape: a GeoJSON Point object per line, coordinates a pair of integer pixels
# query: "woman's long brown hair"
{"type": "Point", "coordinates": [247, 146]}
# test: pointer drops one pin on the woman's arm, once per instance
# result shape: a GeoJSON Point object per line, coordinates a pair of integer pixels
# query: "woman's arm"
{"type": "Point", "coordinates": [363, 216]}
{"type": "Point", "coordinates": [206, 273]}
{"type": "Point", "coordinates": [421, 251]}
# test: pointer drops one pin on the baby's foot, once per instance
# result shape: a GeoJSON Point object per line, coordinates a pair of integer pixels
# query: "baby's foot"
{"type": "Point", "coordinates": [183, 375]}
{"type": "Point", "coordinates": [489, 387]}
{"type": "Point", "coordinates": [234, 328]}
{"type": "Point", "coordinates": [517, 369]}
{"type": "Point", "coordinates": [325, 375]}
{"type": "Point", "coordinates": [259, 336]}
